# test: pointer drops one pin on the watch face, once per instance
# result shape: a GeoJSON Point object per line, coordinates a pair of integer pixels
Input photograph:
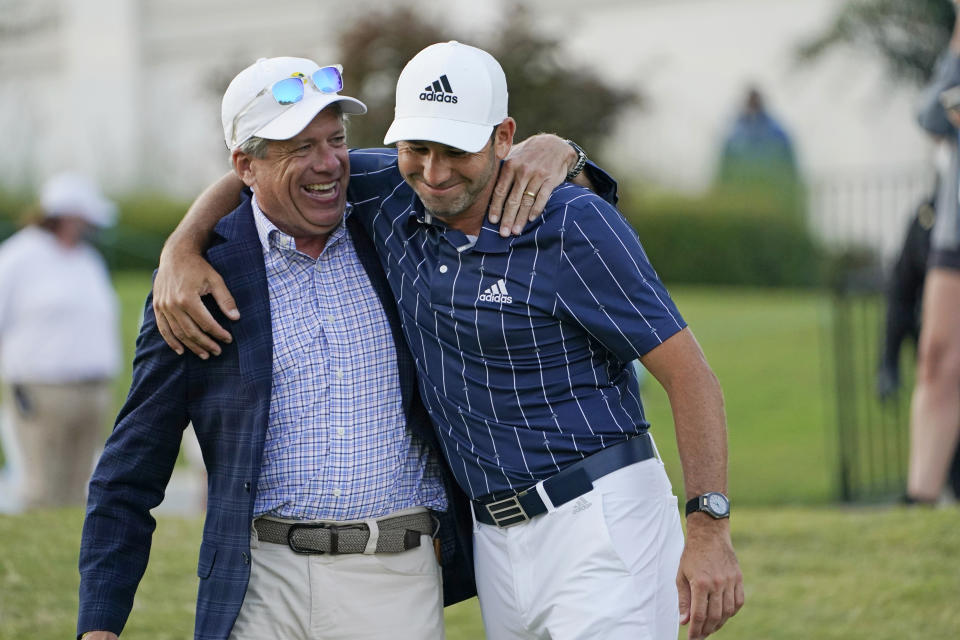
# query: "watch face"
{"type": "Point", "coordinates": [717, 503]}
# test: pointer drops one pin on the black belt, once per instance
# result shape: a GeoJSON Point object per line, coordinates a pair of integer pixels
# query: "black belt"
{"type": "Point", "coordinates": [396, 534]}
{"type": "Point", "coordinates": [572, 482]}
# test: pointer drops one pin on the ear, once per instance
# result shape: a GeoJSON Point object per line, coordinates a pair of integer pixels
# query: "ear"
{"type": "Point", "coordinates": [503, 139]}
{"type": "Point", "coordinates": [243, 166]}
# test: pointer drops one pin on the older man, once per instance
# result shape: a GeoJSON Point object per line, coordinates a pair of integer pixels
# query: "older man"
{"type": "Point", "coordinates": [322, 482]}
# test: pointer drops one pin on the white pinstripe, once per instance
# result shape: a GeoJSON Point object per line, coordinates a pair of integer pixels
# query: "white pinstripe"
{"type": "Point", "coordinates": [550, 394]}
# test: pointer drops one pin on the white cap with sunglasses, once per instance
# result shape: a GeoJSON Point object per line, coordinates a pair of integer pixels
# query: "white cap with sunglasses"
{"type": "Point", "coordinates": [276, 98]}
{"type": "Point", "coordinates": [449, 93]}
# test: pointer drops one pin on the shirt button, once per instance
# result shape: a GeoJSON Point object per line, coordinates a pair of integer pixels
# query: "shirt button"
{"type": "Point", "coordinates": [329, 319]}
{"type": "Point", "coordinates": [246, 487]}
{"type": "Point", "coordinates": [337, 492]}
{"type": "Point", "coordinates": [339, 373]}
{"type": "Point", "coordinates": [341, 431]}
{"type": "Point", "coordinates": [443, 268]}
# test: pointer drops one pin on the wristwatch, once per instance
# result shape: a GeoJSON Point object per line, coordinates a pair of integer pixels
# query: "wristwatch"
{"type": "Point", "coordinates": [714, 504]}
{"type": "Point", "coordinates": [581, 160]}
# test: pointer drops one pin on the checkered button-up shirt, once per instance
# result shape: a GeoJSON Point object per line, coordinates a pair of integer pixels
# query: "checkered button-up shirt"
{"type": "Point", "coordinates": [337, 446]}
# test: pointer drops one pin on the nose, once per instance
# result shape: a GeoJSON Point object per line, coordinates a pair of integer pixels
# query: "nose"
{"type": "Point", "coordinates": [325, 159]}
{"type": "Point", "coordinates": [436, 171]}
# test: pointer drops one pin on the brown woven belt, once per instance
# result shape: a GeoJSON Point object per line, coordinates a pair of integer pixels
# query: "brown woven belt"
{"type": "Point", "coordinates": [396, 534]}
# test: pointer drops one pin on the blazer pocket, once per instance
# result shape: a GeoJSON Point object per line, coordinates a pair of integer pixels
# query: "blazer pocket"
{"type": "Point", "coordinates": [208, 554]}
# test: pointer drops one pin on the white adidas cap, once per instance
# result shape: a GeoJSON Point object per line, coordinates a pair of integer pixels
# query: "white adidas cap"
{"type": "Point", "coordinates": [74, 194]}
{"type": "Point", "coordinates": [449, 93]}
{"type": "Point", "coordinates": [249, 109]}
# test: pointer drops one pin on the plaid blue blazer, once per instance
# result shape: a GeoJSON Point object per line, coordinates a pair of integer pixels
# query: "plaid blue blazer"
{"type": "Point", "coordinates": [227, 399]}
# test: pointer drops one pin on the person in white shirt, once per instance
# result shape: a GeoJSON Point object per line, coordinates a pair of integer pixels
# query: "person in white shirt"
{"type": "Point", "coordinates": [59, 346]}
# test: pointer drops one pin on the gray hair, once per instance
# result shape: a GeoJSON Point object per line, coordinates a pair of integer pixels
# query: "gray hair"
{"type": "Point", "coordinates": [257, 147]}
{"type": "Point", "coordinates": [254, 147]}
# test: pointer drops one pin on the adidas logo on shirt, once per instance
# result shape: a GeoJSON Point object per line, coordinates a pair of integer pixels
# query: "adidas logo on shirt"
{"type": "Point", "coordinates": [496, 293]}
{"type": "Point", "coordinates": [439, 91]}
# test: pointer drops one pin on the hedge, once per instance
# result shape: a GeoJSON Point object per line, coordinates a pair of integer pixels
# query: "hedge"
{"type": "Point", "coordinates": [730, 240]}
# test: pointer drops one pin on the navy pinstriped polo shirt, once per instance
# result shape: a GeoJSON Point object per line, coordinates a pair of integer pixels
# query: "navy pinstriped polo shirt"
{"type": "Point", "coordinates": [523, 345]}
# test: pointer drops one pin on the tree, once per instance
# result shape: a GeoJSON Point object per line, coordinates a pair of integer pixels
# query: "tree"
{"type": "Point", "coordinates": [547, 92]}
{"type": "Point", "coordinates": [907, 34]}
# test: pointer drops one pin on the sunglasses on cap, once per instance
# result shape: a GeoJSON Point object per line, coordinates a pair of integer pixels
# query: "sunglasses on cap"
{"type": "Point", "coordinates": [291, 90]}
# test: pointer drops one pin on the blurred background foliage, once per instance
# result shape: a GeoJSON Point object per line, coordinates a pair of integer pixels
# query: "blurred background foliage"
{"type": "Point", "coordinates": [741, 233]}
{"type": "Point", "coordinates": [549, 91]}
{"type": "Point", "coordinates": [907, 35]}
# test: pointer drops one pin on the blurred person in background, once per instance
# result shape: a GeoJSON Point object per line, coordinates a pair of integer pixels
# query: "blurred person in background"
{"type": "Point", "coordinates": [904, 293]}
{"type": "Point", "coordinates": [59, 343]}
{"type": "Point", "coordinates": [757, 148]}
{"type": "Point", "coordinates": [902, 323]}
{"type": "Point", "coordinates": [935, 407]}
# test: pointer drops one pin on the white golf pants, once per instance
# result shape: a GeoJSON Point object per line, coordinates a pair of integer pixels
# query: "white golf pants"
{"type": "Point", "coordinates": [602, 566]}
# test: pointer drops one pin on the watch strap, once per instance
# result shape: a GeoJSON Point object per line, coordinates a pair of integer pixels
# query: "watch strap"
{"type": "Point", "coordinates": [700, 503]}
{"type": "Point", "coordinates": [579, 164]}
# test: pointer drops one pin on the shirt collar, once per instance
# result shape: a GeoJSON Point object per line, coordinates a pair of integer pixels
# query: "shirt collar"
{"type": "Point", "coordinates": [489, 240]}
{"type": "Point", "coordinates": [270, 236]}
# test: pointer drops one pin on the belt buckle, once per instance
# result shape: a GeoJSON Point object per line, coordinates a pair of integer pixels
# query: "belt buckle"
{"type": "Point", "coordinates": [334, 535]}
{"type": "Point", "coordinates": [508, 512]}
{"type": "Point", "coordinates": [302, 550]}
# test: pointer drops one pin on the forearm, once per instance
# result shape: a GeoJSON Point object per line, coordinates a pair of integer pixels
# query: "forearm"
{"type": "Point", "coordinates": [697, 404]}
{"type": "Point", "coordinates": [129, 481]}
{"type": "Point", "coordinates": [216, 201]}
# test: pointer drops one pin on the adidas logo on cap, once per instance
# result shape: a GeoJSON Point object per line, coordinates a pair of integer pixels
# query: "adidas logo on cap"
{"type": "Point", "coordinates": [496, 293]}
{"type": "Point", "coordinates": [439, 91]}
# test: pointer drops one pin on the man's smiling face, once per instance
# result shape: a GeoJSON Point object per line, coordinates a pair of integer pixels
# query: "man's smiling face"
{"type": "Point", "coordinates": [301, 183]}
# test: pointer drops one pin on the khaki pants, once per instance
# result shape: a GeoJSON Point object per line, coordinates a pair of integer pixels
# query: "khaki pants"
{"type": "Point", "coordinates": [59, 428]}
{"type": "Point", "coordinates": [388, 596]}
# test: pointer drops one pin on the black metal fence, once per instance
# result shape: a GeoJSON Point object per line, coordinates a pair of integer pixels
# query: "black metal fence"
{"type": "Point", "coordinates": [861, 221]}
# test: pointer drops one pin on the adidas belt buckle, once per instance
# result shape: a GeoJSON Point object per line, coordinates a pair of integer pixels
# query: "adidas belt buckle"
{"type": "Point", "coordinates": [508, 512]}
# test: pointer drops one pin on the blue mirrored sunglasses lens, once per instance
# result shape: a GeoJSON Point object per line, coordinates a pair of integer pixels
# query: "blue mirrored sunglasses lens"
{"type": "Point", "coordinates": [328, 79]}
{"type": "Point", "coordinates": [288, 91]}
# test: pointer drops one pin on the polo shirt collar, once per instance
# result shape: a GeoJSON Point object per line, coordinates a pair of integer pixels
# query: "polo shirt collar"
{"type": "Point", "coordinates": [489, 240]}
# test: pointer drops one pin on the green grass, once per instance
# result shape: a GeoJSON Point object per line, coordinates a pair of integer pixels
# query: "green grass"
{"type": "Point", "coordinates": [764, 347]}
{"type": "Point", "coordinates": [810, 573]}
